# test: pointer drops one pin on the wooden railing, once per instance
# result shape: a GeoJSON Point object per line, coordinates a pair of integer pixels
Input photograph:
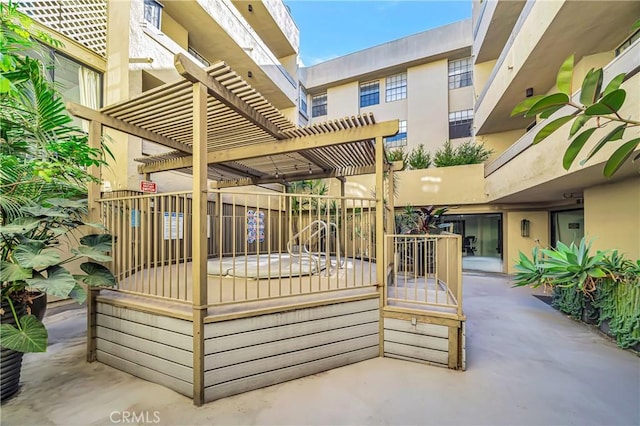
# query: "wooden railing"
{"type": "Point", "coordinates": [425, 272]}
{"type": "Point", "coordinates": [259, 245]}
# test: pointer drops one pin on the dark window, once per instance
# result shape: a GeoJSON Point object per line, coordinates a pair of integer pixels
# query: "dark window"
{"type": "Point", "coordinates": [369, 93]}
{"type": "Point", "coordinates": [152, 12]}
{"type": "Point", "coordinates": [302, 105]}
{"type": "Point", "coordinates": [193, 52]}
{"type": "Point", "coordinates": [319, 105]}
{"type": "Point", "coordinates": [460, 73]}
{"type": "Point", "coordinates": [400, 139]}
{"type": "Point", "coordinates": [460, 124]}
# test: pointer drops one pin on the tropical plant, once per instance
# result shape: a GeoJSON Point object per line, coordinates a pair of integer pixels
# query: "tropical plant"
{"type": "Point", "coordinates": [44, 163]}
{"type": "Point", "coordinates": [419, 221]}
{"type": "Point", "coordinates": [565, 266]}
{"type": "Point", "coordinates": [468, 152]}
{"type": "Point", "coordinates": [599, 288]}
{"type": "Point", "coordinates": [599, 106]}
{"type": "Point", "coordinates": [419, 158]}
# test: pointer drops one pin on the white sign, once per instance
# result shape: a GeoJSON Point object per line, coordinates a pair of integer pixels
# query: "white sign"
{"type": "Point", "coordinates": [173, 226]}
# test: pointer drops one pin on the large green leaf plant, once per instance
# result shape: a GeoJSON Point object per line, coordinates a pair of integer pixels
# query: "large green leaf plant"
{"type": "Point", "coordinates": [598, 104]}
{"type": "Point", "coordinates": [45, 166]}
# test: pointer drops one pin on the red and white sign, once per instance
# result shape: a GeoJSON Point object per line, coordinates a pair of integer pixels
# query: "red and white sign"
{"type": "Point", "coordinates": [148, 186]}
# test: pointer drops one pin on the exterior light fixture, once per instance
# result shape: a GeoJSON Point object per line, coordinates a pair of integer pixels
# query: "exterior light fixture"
{"type": "Point", "coordinates": [250, 8]}
{"type": "Point", "coordinates": [310, 171]}
{"type": "Point", "coordinates": [525, 226]}
{"type": "Point", "coordinates": [529, 92]}
{"type": "Point", "coordinates": [249, 74]}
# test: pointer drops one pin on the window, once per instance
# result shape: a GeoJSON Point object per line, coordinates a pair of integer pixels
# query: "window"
{"type": "Point", "coordinates": [152, 12]}
{"type": "Point", "coordinates": [628, 42]}
{"type": "Point", "coordinates": [193, 52]}
{"type": "Point", "coordinates": [400, 139]}
{"type": "Point", "coordinates": [460, 73]}
{"type": "Point", "coordinates": [369, 93]}
{"type": "Point", "coordinates": [302, 101]}
{"type": "Point", "coordinates": [460, 124]}
{"type": "Point", "coordinates": [319, 105]}
{"type": "Point", "coordinates": [396, 87]}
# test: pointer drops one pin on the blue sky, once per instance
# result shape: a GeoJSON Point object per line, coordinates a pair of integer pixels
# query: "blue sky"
{"type": "Point", "coordinates": [331, 28]}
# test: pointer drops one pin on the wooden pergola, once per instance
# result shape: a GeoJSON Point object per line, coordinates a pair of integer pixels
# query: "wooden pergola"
{"type": "Point", "coordinates": [218, 127]}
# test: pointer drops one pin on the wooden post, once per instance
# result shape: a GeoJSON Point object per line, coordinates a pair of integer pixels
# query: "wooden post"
{"type": "Point", "coordinates": [380, 237]}
{"type": "Point", "coordinates": [343, 220]}
{"type": "Point", "coordinates": [93, 195]}
{"type": "Point", "coordinates": [199, 281]}
{"type": "Point", "coordinates": [391, 220]}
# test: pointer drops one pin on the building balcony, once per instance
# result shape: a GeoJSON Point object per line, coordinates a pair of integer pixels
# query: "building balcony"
{"type": "Point", "coordinates": [493, 21]}
{"type": "Point", "coordinates": [545, 34]}
{"type": "Point", "coordinates": [534, 173]}
{"type": "Point", "coordinates": [272, 21]}
{"type": "Point", "coordinates": [217, 31]}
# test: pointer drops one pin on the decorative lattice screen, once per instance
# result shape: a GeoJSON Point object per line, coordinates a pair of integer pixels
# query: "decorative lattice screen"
{"type": "Point", "coordinates": [84, 21]}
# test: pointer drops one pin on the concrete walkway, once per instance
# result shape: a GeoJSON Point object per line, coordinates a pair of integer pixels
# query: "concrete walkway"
{"type": "Point", "coordinates": [527, 365]}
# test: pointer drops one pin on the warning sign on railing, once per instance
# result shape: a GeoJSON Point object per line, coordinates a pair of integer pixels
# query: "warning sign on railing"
{"type": "Point", "coordinates": [148, 186]}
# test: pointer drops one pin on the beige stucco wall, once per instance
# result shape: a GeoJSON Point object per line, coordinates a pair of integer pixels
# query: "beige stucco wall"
{"type": "Point", "coordinates": [434, 186]}
{"type": "Point", "coordinates": [612, 216]}
{"type": "Point", "coordinates": [174, 30]}
{"type": "Point", "coordinates": [342, 101]}
{"type": "Point", "coordinates": [498, 142]}
{"type": "Point", "coordinates": [461, 99]}
{"type": "Point", "coordinates": [428, 108]}
{"type": "Point", "coordinates": [481, 73]}
{"type": "Point", "coordinates": [515, 243]}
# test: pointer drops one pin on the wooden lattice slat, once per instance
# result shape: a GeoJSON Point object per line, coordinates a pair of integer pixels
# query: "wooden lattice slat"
{"type": "Point", "coordinates": [84, 21]}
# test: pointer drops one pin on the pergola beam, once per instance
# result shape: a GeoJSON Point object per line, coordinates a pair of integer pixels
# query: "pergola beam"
{"type": "Point", "coordinates": [90, 114]}
{"type": "Point", "coordinates": [384, 128]}
{"type": "Point", "coordinates": [192, 72]}
{"type": "Point", "coordinates": [337, 174]}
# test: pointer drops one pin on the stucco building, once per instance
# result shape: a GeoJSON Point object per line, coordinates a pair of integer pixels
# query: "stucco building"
{"type": "Point", "coordinates": [456, 82]}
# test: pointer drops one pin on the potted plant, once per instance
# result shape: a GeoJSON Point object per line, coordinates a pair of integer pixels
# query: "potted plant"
{"type": "Point", "coordinates": [44, 171]}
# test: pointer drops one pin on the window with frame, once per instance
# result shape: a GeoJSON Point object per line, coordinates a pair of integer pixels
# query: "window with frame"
{"type": "Point", "coordinates": [153, 12]}
{"type": "Point", "coordinates": [400, 139]}
{"type": "Point", "coordinates": [302, 102]}
{"type": "Point", "coordinates": [396, 87]}
{"type": "Point", "coordinates": [369, 93]}
{"type": "Point", "coordinates": [460, 123]}
{"type": "Point", "coordinates": [319, 105]}
{"type": "Point", "coordinates": [193, 52]}
{"type": "Point", "coordinates": [460, 73]}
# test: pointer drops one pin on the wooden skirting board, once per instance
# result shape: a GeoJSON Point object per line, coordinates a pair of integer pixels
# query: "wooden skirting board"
{"type": "Point", "coordinates": [246, 352]}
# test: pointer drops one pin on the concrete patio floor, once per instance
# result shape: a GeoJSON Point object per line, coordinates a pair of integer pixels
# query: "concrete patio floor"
{"type": "Point", "coordinates": [527, 365]}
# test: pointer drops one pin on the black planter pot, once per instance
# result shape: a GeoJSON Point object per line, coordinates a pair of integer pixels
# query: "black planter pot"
{"type": "Point", "coordinates": [10, 360]}
{"type": "Point", "coordinates": [38, 304]}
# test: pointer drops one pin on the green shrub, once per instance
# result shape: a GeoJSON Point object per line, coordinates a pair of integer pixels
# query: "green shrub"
{"type": "Point", "coordinates": [419, 158]}
{"type": "Point", "coordinates": [468, 152]}
{"type": "Point", "coordinates": [597, 287]}
{"type": "Point", "coordinates": [397, 154]}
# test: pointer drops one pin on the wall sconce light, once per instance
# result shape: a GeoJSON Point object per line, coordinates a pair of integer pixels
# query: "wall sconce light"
{"type": "Point", "coordinates": [250, 7]}
{"type": "Point", "coordinates": [525, 225]}
{"type": "Point", "coordinates": [249, 74]}
{"type": "Point", "coordinates": [529, 92]}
